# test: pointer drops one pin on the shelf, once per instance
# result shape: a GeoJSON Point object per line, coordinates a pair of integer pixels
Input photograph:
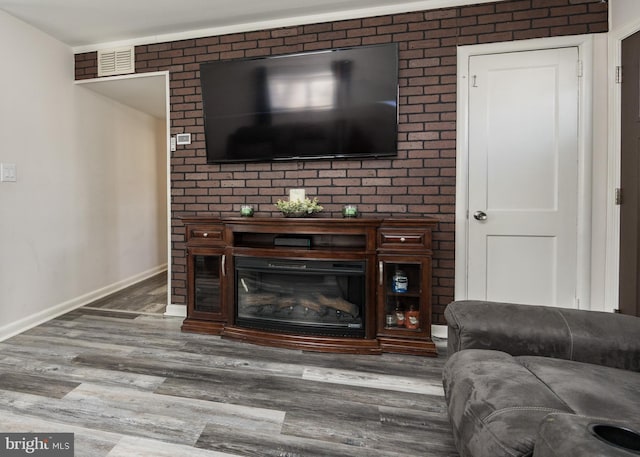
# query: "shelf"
{"type": "Point", "coordinates": [404, 294]}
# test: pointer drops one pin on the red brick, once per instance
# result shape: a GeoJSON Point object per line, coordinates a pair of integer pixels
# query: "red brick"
{"type": "Point", "coordinates": [158, 47]}
{"type": "Point", "coordinates": [408, 17]}
{"type": "Point", "coordinates": [257, 52]}
{"type": "Point", "coordinates": [587, 18]}
{"type": "Point", "coordinates": [352, 24]}
{"type": "Point", "coordinates": [477, 10]}
{"type": "Point", "coordinates": [231, 55]}
{"type": "Point", "coordinates": [208, 41]}
{"type": "Point", "coordinates": [547, 3]}
{"type": "Point", "coordinates": [234, 38]}
{"type": "Point", "coordinates": [182, 44]}
{"type": "Point", "coordinates": [397, 28]}
{"type": "Point", "coordinates": [376, 21]}
{"type": "Point", "coordinates": [317, 28]}
{"type": "Point", "coordinates": [284, 32]}
{"type": "Point", "coordinates": [371, 31]}
{"type": "Point", "coordinates": [495, 37]}
{"type": "Point", "coordinates": [244, 45]}
{"type": "Point", "coordinates": [569, 30]}
{"type": "Point", "coordinates": [495, 18]}
{"type": "Point", "coordinates": [514, 25]}
{"type": "Point", "coordinates": [299, 39]}
{"type": "Point", "coordinates": [378, 39]}
{"type": "Point", "coordinates": [531, 33]}
{"type": "Point", "coordinates": [530, 14]}
{"type": "Point", "coordinates": [550, 22]}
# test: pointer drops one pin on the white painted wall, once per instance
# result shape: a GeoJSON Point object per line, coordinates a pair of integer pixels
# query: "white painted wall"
{"type": "Point", "coordinates": [622, 13]}
{"type": "Point", "coordinates": [599, 177]}
{"type": "Point", "coordinates": [88, 212]}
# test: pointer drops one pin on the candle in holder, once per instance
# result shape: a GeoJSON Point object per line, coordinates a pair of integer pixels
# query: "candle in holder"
{"type": "Point", "coordinates": [296, 195]}
{"type": "Point", "coordinates": [350, 211]}
{"type": "Point", "coordinates": [246, 211]}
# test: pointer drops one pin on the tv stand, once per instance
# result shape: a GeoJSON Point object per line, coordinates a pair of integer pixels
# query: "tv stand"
{"type": "Point", "coordinates": [319, 284]}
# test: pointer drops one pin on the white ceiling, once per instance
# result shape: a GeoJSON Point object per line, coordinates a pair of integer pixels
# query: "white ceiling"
{"type": "Point", "coordinates": [86, 24]}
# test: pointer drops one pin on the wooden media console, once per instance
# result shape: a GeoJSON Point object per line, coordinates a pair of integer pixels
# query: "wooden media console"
{"type": "Point", "coordinates": [333, 285]}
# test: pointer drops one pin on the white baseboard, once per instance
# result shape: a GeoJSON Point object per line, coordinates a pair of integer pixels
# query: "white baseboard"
{"type": "Point", "coordinates": [24, 324]}
{"type": "Point", "coordinates": [176, 310]}
{"type": "Point", "coordinates": [439, 331]}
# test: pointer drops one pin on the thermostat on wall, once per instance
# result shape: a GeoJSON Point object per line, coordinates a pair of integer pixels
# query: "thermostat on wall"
{"type": "Point", "coordinates": [183, 138]}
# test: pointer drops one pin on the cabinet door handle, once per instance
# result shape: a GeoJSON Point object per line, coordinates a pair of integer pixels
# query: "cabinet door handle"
{"type": "Point", "coordinates": [380, 270]}
{"type": "Point", "coordinates": [223, 266]}
{"type": "Point", "coordinates": [205, 234]}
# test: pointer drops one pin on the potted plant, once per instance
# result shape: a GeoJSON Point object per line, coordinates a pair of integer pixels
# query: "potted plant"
{"type": "Point", "coordinates": [299, 208]}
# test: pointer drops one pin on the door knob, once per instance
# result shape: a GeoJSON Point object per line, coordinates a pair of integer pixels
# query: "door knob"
{"type": "Point", "coordinates": [480, 216]}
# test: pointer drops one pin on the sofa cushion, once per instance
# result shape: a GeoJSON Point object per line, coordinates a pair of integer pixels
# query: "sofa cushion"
{"type": "Point", "coordinates": [589, 390]}
{"type": "Point", "coordinates": [495, 404]}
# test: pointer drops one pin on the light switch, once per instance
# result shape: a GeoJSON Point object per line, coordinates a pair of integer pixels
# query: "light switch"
{"type": "Point", "coordinates": [8, 172]}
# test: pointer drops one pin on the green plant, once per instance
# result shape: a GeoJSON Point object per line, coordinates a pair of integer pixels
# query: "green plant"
{"type": "Point", "coordinates": [299, 207]}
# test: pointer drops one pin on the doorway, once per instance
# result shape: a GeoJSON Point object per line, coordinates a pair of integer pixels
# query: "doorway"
{"type": "Point", "coordinates": [629, 285]}
{"type": "Point", "coordinates": [521, 177]}
{"type": "Point", "coordinates": [148, 94]}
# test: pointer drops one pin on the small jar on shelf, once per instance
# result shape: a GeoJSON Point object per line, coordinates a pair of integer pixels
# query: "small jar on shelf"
{"type": "Point", "coordinates": [400, 316]}
{"type": "Point", "coordinates": [412, 318]}
{"type": "Point", "coordinates": [400, 283]}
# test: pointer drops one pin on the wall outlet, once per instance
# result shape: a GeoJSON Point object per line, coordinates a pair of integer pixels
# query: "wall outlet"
{"type": "Point", "coordinates": [8, 172]}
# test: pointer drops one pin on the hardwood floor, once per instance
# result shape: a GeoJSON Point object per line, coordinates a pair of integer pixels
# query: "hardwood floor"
{"type": "Point", "coordinates": [146, 297]}
{"type": "Point", "coordinates": [127, 382]}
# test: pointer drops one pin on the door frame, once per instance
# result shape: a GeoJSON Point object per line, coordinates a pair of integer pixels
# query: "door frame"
{"type": "Point", "coordinates": [171, 309]}
{"type": "Point", "coordinates": [584, 43]}
{"type": "Point", "coordinates": [612, 261]}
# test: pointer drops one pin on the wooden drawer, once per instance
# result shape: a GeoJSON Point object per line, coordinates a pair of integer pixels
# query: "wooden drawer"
{"type": "Point", "coordinates": [209, 235]}
{"type": "Point", "coordinates": [404, 239]}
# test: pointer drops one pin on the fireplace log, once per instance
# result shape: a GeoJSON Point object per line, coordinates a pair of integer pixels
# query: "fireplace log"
{"type": "Point", "coordinates": [258, 299]}
{"type": "Point", "coordinates": [338, 303]}
{"type": "Point", "coordinates": [312, 304]}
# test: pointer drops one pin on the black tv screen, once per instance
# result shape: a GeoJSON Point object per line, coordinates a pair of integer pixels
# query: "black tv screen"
{"type": "Point", "coordinates": [340, 103]}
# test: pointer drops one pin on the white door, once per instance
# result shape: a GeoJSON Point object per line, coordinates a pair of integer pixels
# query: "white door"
{"type": "Point", "coordinates": [523, 177]}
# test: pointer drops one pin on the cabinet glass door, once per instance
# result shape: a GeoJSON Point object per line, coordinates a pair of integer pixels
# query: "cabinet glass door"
{"type": "Point", "coordinates": [402, 296]}
{"type": "Point", "coordinates": [207, 283]}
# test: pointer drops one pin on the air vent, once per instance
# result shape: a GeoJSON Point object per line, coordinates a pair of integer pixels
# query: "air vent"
{"type": "Point", "coordinates": [117, 61]}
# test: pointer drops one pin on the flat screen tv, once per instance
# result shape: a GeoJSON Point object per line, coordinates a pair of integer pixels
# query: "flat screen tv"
{"type": "Point", "coordinates": [341, 103]}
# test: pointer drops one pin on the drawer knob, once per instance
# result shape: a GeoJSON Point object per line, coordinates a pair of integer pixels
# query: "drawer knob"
{"type": "Point", "coordinates": [402, 239]}
{"type": "Point", "coordinates": [205, 234]}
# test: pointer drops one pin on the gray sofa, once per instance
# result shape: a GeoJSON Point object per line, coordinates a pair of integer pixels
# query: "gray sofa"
{"type": "Point", "coordinates": [539, 381]}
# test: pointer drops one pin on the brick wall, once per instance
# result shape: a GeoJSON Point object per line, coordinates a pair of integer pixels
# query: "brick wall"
{"type": "Point", "coordinates": [419, 182]}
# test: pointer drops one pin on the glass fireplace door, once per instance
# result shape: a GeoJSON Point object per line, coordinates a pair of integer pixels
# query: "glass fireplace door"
{"type": "Point", "coordinates": [315, 297]}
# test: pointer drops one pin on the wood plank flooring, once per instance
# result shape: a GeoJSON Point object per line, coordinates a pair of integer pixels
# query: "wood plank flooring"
{"type": "Point", "coordinates": [127, 382]}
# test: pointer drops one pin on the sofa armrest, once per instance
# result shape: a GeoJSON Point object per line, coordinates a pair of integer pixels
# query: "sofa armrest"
{"type": "Point", "coordinates": [585, 336]}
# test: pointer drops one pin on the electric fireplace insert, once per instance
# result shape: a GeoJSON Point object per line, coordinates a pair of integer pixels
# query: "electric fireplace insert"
{"type": "Point", "coordinates": [313, 297]}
